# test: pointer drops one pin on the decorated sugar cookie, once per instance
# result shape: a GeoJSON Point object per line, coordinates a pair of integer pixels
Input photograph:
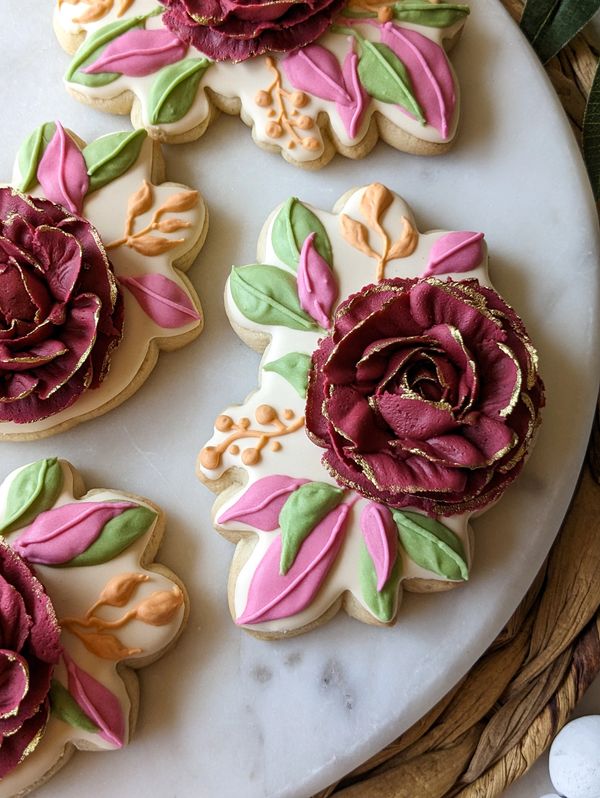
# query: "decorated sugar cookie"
{"type": "Point", "coordinates": [82, 604]}
{"type": "Point", "coordinates": [93, 247]}
{"type": "Point", "coordinates": [310, 78]}
{"type": "Point", "coordinates": [399, 396]}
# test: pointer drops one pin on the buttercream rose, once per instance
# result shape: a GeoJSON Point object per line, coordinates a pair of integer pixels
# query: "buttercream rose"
{"type": "Point", "coordinates": [425, 394]}
{"type": "Point", "coordinates": [61, 311]}
{"type": "Point", "coordinates": [234, 30]}
{"type": "Point", "coordinates": [29, 650]}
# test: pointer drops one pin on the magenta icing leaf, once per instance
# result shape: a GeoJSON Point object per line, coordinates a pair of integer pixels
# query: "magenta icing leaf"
{"type": "Point", "coordinates": [316, 70]}
{"type": "Point", "coordinates": [261, 504]}
{"type": "Point", "coordinates": [139, 52]}
{"type": "Point", "coordinates": [317, 288]}
{"type": "Point", "coordinates": [98, 702]}
{"type": "Point", "coordinates": [162, 299]}
{"type": "Point", "coordinates": [351, 113]}
{"type": "Point", "coordinates": [62, 172]}
{"type": "Point", "coordinates": [58, 535]}
{"type": "Point", "coordinates": [272, 595]}
{"type": "Point", "coordinates": [430, 73]}
{"type": "Point", "coordinates": [381, 539]}
{"type": "Point", "coordinates": [455, 252]}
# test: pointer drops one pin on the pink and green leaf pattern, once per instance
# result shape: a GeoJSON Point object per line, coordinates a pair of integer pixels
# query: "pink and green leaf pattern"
{"type": "Point", "coordinates": [162, 300]}
{"type": "Point", "coordinates": [97, 702]}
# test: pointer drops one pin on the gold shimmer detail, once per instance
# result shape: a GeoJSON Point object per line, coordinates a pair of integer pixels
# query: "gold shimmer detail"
{"type": "Point", "coordinates": [144, 241]}
{"type": "Point", "coordinates": [285, 118]}
{"type": "Point", "coordinates": [375, 201]}
{"type": "Point", "coordinates": [157, 609]}
{"type": "Point", "coordinates": [97, 9]}
{"type": "Point", "coordinates": [210, 457]}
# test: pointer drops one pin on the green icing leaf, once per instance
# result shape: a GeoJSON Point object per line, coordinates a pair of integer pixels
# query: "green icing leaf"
{"type": "Point", "coordinates": [421, 12]}
{"type": "Point", "coordinates": [300, 514]}
{"type": "Point", "coordinates": [385, 78]}
{"type": "Point", "coordinates": [92, 48]}
{"type": "Point", "coordinates": [292, 225]}
{"type": "Point", "coordinates": [591, 135]}
{"type": "Point", "coordinates": [35, 489]}
{"type": "Point", "coordinates": [431, 545]}
{"type": "Point", "coordinates": [31, 152]}
{"type": "Point", "coordinates": [64, 707]}
{"type": "Point", "coordinates": [268, 295]}
{"type": "Point", "coordinates": [111, 156]}
{"type": "Point", "coordinates": [294, 368]}
{"type": "Point", "coordinates": [382, 604]}
{"type": "Point", "coordinates": [174, 90]}
{"type": "Point", "coordinates": [117, 535]}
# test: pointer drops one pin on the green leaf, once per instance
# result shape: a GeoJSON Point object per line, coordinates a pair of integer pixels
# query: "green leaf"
{"type": "Point", "coordinates": [550, 25]}
{"type": "Point", "coordinates": [535, 16]}
{"type": "Point", "coordinates": [111, 156]}
{"type": "Point", "coordinates": [294, 368]}
{"type": "Point", "coordinates": [35, 489]}
{"type": "Point", "coordinates": [591, 135]}
{"type": "Point", "coordinates": [64, 707]}
{"type": "Point", "coordinates": [382, 604]}
{"type": "Point", "coordinates": [300, 514]}
{"type": "Point", "coordinates": [292, 225]}
{"type": "Point", "coordinates": [385, 77]}
{"type": "Point", "coordinates": [117, 535]}
{"type": "Point", "coordinates": [93, 47]}
{"type": "Point", "coordinates": [421, 12]}
{"type": "Point", "coordinates": [431, 545]}
{"type": "Point", "coordinates": [174, 90]}
{"type": "Point", "coordinates": [31, 152]}
{"type": "Point", "coordinates": [268, 295]}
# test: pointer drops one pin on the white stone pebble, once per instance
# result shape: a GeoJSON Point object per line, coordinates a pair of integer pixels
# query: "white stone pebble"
{"type": "Point", "coordinates": [575, 759]}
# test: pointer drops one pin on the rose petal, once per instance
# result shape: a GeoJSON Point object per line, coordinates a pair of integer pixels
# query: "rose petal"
{"type": "Point", "coordinates": [14, 682]}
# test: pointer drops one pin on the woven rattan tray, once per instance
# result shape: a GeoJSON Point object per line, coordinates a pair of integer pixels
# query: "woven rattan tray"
{"type": "Point", "coordinates": [500, 718]}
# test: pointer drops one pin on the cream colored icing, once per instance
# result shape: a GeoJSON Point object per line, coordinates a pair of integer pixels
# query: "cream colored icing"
{"type": "Point", "coordinates": [243, 80]}
{"type": "Point", "coordinates": [73, 591]}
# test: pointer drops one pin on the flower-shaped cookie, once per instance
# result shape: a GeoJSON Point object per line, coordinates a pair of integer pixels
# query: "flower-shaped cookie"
{"type": "Point", "coordinates": [91, 287]}
{"type": "Point", "coordinates": [399, 395]}
{"type": "Point", "coordinates": [81, 599]}
{"type": "Point", "coordinates": [310, 78]}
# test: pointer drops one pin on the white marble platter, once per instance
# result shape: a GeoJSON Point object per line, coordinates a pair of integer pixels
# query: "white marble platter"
{"type": "Point", "coordinates": [228, 715]}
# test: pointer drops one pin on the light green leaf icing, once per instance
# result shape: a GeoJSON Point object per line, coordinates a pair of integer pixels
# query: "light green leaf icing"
{"type": "Point", "coordinates": [174, 90]}
{"type": "Point", "coordinates": [382, 604]}
{"type": "Point", "coordinates": [64, 707]}
{"type": "Point", "coordinates": [268, 295]}
{"type": "Point", "coordinates": [92, 48]}
{"type": "Point", "coordinates": [111, 156]}
{"type": "Point", "coordinates": [294, 368]}
{"type": "Point", "coordinates": [432, 545]}
{"type": "Point", "coordinates": [303, 510]}
{"type": "Point", "coordinates": [117, 535]}
{"type": "Point", "coordinates": [35, 489]}
{"type": "Point", "coordinates": [385, 78]}
{"type": "Point", "coordinates": [421, 12]}
{"type": "Point", "coordinates": [292, 225]}
{"type": "Point", "coordinates": [31, 152]}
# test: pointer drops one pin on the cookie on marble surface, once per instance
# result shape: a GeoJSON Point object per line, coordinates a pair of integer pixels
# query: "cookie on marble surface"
{"type": "Point", "coordinates": [399, 396]}
{"type": "Point", "coordinates": [95, 247]}
{"type": "Point", "coordinates": [309, 78]}
{"type": "Point", "coordinates": [83, 603]}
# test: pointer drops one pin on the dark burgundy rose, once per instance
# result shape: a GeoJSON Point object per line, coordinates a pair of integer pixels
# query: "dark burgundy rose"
{"type": "Point", "coordinates": [29, 650]}
{"type": "Point", "coordinates": [234, 30]}
{"type": "Point", "coordinates": [425, 394]}
{"type": "Point", "coordinates": [61, 311]}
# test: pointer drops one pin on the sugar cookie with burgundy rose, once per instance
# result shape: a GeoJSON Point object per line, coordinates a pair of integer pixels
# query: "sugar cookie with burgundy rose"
{"type": "Point", "coordinates": [310, 78]}
{"type": "Point", "coordinates": [93, 252]}
{"type": "Point", "coordinates": [84, 606]}
{"type": "Point", "coordinates": [398, 398]}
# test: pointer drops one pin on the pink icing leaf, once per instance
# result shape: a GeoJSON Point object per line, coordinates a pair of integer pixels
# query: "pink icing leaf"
{"type": "Point", "coordinates": [317, 288]}
{"type": "Point", "coordinates": [98, 703]}
{"type": "Point", "coordinates": [429, 71]}
{"type": "Point", "coordinates": [261, 504]}
{"type": "Point", "coordinates": [381, 539]}
{"type": "Point", "coordinates": [58, 535]}
{"type": "Point", "coordinates": [316, 70]}
{"type": "Point", "coordinates": [162, 299]}
{"type": "Point", "coordinates": [455, 253]}
{"type": "Point", "coordinates": [271, 595]}
{"type": "Point", "coordinates": [62, 172]}
{"type": "Point", "coordinates": [139, 52]}
{"type": "Point", "coordinates": [352, 113]}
